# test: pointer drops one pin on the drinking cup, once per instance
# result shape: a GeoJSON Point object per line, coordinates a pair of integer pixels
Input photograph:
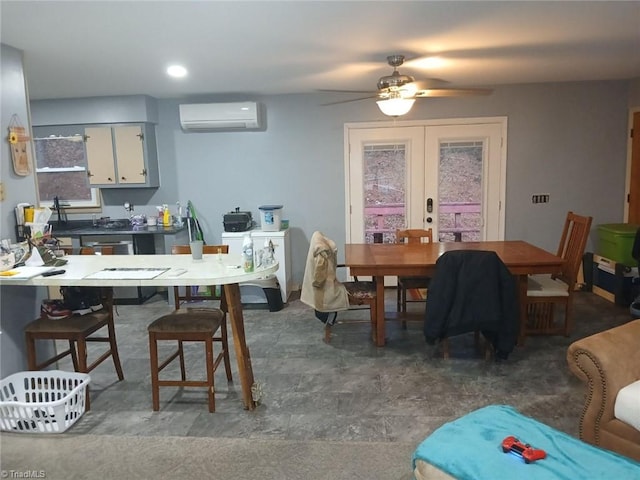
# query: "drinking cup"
{"type": "Point", "coordinates": [196, 249]}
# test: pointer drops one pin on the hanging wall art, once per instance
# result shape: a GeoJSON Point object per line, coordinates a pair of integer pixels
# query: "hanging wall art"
{"type": "Point", "coordinates": [18, 139]}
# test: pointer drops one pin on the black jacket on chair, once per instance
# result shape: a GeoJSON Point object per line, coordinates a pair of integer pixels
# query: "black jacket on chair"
{"type": "Point", "coordinates": [473, 290]}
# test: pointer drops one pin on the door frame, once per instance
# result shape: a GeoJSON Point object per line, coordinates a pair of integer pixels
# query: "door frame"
{"type": "Point", "coordinates": [627, 183]}
{"type": "Point", "coordinates": [502, 120]}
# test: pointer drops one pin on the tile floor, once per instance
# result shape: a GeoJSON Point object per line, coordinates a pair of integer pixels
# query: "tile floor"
{"type": "Point", "coordinates": [346, 390]}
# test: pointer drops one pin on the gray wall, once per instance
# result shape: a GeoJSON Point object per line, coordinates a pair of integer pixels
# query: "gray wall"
{"type": "Point", "coordinates": [22, 308]}
{"type": "Point", "coordinates": [568, 140]}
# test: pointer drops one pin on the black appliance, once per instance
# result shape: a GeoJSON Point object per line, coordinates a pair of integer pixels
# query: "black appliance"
{"type": "Point", "coordinates": [237, 221]}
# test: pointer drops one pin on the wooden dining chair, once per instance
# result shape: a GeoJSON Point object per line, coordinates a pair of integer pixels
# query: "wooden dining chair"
{"type": "Point", "coordinates": [78, 330]}
{"type": "Point", "coordinates": [545, 292]}
{"type": "Point", "coordinates": [359, 293]}
{"type": "Point", "coordinates": [411, 236]}
{"type": "Point", "coordinates": [322, 290]}
{"type": "Point", "coordinates": [191, 321]}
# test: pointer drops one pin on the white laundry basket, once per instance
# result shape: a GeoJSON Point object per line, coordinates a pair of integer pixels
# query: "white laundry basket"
{"type": "Point", "coordinates": [48, 401]}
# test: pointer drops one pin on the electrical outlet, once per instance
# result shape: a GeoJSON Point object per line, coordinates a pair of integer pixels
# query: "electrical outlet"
{"type": "Point", "coordinates": [540, 198]}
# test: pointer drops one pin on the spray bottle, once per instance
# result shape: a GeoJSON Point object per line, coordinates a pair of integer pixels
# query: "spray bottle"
{"type": "Point", "coordinates": [247, 253]}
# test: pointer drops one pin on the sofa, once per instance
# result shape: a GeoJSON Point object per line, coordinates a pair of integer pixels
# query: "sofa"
{"type": "Point", "coordinates": [607, 362]}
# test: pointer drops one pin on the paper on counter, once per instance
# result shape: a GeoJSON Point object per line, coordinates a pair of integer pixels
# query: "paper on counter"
{"type": "Point", "coordinates": [34, 260]}
{"type": "Point", "coordinates": [42, 215]}
{"type": "Point", "coordinates": [127, 273]}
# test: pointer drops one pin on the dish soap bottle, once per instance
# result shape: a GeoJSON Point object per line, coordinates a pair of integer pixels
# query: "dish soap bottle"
{"type": "Point", "coordinates": [247, 254]}
{"type": "Point", "coordinates": [166, 216]}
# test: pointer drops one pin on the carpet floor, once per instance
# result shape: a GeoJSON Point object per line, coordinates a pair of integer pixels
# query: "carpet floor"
{"type": "Point", "coordinates": [107, 457]}
{"type": "Point", "coordinates": [341, 410]}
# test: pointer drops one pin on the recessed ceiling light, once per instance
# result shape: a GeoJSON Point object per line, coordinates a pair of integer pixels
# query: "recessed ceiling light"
{"type": "Point", "coordinates": [177, 71]}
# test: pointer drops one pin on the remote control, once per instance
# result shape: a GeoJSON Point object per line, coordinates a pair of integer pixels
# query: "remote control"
{"type": "Point", "coordinates": [51, 273]}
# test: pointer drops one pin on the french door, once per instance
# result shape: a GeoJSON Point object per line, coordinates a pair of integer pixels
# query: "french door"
{"type": "Point", "coordinates": [447, 176]}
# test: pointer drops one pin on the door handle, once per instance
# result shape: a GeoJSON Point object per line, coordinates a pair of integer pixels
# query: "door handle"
{"type": "Point", "coordinates": [429, 205]}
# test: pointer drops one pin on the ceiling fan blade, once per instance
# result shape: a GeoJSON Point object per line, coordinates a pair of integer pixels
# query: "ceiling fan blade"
{"type": "Point", "coordinates": [453, 92]}
{"type": "Point", "coordinates": [345, 91]}
{"type": "Point", "coordinates": [350, 100]}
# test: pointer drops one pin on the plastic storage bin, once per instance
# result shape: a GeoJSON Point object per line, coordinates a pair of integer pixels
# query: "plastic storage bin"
{"type": "Point", "coordinates": [613, 281]}
{"type": "Point", "coordinates": [270, 218]}
{"type": "Point", "coordinates": [48, 401]}
{"type": "Point", "coordinates": [615, 242]}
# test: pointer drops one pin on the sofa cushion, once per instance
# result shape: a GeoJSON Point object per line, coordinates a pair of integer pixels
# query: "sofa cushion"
{"type": "Point", "coordinates": [627, 406]}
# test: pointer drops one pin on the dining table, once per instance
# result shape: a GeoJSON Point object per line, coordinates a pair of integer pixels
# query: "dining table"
{"type": "Point", "coordinates": [380, 260]}
{"type": "Point", "coordinates": [162, 271]}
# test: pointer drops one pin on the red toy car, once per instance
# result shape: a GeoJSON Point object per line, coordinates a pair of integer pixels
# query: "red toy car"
{"type": "Point", "coordinates": [529, 454]}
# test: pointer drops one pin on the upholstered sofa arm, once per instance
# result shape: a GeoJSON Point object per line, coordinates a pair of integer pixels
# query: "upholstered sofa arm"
{"type": "Point", "coordinates": [606, 362]}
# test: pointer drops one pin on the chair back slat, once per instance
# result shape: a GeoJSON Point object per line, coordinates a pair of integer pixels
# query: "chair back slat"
{"type": "Point", "coordinates": [414, 235]}
{"type": "Point", "coordinates": [572, 245]}
{"type": "Point", "coordinates": [180, 298]}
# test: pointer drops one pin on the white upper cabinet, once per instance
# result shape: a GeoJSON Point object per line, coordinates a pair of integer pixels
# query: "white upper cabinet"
{"type": "Point", "coordinates": [121, 156]}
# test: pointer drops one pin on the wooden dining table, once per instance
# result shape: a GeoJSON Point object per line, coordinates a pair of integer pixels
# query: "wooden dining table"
{"type": "Point", "coordinates": [379, 260]}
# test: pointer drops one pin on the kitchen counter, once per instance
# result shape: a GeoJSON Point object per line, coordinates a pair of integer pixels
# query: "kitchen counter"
{"type": "Point", "coordinates": [125, 240]}
{"type": "Point", "coordinates": [77, 228]}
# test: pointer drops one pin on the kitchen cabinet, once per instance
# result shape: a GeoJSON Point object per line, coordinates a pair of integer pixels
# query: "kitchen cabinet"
{"type": "Point", "coordinates": [282, 253]}
{"type": "Point", "coordinates": [121, 156]}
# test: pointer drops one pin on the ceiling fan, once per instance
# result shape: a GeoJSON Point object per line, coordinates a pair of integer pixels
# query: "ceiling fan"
{"type": "Point", "coordinates": [397, 92]}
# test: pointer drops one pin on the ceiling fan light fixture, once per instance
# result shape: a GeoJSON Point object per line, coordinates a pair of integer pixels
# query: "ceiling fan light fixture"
{"type": "Point", "coordinates": [395, 107]}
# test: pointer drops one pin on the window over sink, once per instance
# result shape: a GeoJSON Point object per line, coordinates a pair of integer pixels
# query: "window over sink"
{"type": "Point", "coordinates": [61, 170]}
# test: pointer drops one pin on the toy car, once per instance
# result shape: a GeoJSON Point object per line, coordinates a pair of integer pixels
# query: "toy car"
{"type": "Point", "coordinates": [529, 454]}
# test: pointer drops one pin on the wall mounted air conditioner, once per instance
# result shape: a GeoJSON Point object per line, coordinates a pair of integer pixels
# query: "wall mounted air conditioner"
{"type": "Point", "coordinates": [220, 116]}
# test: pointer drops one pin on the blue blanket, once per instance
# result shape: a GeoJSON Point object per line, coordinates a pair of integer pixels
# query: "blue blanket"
{"type": "Point", "coordinates": [469, 448]}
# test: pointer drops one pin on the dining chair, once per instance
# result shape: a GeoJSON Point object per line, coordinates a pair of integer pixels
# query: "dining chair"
{"type": "Point", "coordinates": [78, 330]}
{"type": "Point", "coordinates": [411, 236]}
{"type": "Point", "coordinates": [544, 292]}
{"type": "Point", "coordinates": [196, 322]}
{"type": "Point", "coordinates": [326, 294]}
{"type": "Point", "coordinates": [472, 291]}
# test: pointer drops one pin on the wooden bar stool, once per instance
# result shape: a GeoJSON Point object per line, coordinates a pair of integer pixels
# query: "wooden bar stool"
{"type": "Point", "coordinates": [78, 330]}
{"type": "Point", "coordinates": [191, 325]}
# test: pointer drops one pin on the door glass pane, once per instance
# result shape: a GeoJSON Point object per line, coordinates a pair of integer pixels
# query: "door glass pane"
{"type": "Point", "coordinates": [384, 191]}
{"type": "Point", "coordinates": [460, 191]}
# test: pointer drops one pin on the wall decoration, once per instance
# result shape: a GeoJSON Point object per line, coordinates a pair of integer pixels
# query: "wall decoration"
{"type": "Point", "coordinates": [18, 139]}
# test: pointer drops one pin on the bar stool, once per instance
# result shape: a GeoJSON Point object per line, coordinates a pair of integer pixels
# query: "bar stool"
{"type": "Point", "coordinates": [78, 330]}
{"type": "Point", "coordinates": [190, 325]}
